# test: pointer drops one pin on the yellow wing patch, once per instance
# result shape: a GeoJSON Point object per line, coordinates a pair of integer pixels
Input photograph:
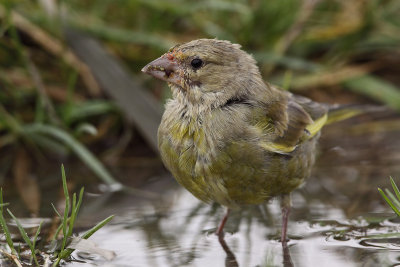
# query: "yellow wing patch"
{"type": "Point", "coordinates": [312, 128]}
{"type": "Point", "coordinates": [342, 114]}
{"type": "Point", "coordinates": [315, 127]}
{"type": "Point", "coordinates": [277, 148]}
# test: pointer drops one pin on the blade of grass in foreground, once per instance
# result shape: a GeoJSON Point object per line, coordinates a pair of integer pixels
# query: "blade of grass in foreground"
{"type": "Point", "coordinates": [4, 225]}
{"type": "Point", "coordinates": [95, 228]}
{"type": "Point", "coordinates": [75, 210]}
{"type": "Point", "coordinates": [389, 202]}
{"type": "Point", "coordinates": [394, 200]}
{"type": "Point", "coordinates": [67, 252]}
{"type": "Point", "coordinates": [67, 224]}
{"type": "Point", "coordinates": [66, 209]}
{"type": "Point", "coordinates": [390, 198]}
{"type": "Point", "coordinates": [395, 188]}
{"type": "Point", "coordinates": [25, 237]}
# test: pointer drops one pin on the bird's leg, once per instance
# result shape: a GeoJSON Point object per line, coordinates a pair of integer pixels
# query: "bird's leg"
{"type": "Point", "coordinates": [220, 228]}
{"type": "Point", "coordinates": [285, 207]}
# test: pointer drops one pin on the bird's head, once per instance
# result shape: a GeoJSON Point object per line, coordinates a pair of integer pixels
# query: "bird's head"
{"type": "Point", "coordinates": [206, 71]}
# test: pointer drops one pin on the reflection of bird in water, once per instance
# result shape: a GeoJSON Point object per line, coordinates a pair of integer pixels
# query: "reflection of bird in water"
{"type": "Point", "coordinates": [230, 260]}
{"type": "Point", "coordinates": [287, 260]}
{"type": "Point", "coordinates": [227, 136]}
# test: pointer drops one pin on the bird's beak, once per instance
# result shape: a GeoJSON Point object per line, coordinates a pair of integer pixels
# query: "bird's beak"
{"type": "Point", "coordinates": [164, 68]}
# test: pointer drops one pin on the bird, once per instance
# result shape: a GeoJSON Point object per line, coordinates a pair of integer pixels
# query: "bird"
{"type": "Point", "coordinates": [229, 137]}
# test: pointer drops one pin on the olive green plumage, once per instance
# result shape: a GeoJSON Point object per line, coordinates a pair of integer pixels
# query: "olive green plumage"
{"type": "Point", "coordinates": [227, 136]}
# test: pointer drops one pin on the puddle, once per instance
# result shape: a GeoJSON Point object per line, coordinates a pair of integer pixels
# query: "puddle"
{"type": "Point", "coordinates": [181, 234]}
{"type": "Point", "coordinates": [338, 217]}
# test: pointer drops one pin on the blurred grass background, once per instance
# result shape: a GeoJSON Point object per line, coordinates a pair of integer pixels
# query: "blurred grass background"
{"type": "Point", "coordinates": [50, 103]}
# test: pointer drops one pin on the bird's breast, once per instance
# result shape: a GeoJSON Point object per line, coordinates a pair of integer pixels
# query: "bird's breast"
{"type": "Point", "coordinates": [217, 160]}
{"type": "Point", "coordinates": [206, 158]}
{"type": "Point", "coordinates": [188, 150]}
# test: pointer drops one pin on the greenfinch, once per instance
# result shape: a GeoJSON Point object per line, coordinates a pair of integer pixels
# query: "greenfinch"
{"type": "Point", "coordinates": [229, 137]}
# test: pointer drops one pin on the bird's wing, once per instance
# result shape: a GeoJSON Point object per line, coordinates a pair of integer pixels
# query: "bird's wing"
{"type": "Point", "coordinates": [305, 118]}
{"type": "Point", "coordinates": [314, 109]}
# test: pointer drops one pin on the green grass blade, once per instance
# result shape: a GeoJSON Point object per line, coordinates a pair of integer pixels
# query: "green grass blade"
{"type": "Point", "coordinates": [80, 199]}
{"type": "Point", "coordinates": [81, 151]}
{"type": "Point", "coordinates": [50, 144]}
{"type": "Point", "coordinates": [10, 122]}
{"type": "Point", "coordinates": [75, 210]}
{"type": "Point", "coordinates": [35, 238]}
{"type": "Point", "coordinates": [66, 253]}
{"type": "Point", "coordinates": [21, 229]}
{"type": "Point", "coordinates": [37, 233]}
{"type": "Point", "coordinates": [3, 225]}
{"type": "Point", "coordinates": [25, 237]}
{"type": "Point", "coordinates": [64, 182]}
{"type": "Point", "coordinates": [57, 232]}
{"type": "Point", "coordinates": [1, 200]}
{"type": "Point", "coordinates": [79, 112]}
{"type": "Point", "coordinates": [395, 188]}
{"type": "Point", "coordinates": [72, 217]}
{"type": "Point", "coordinates": [55, 210]}
{"type": "Point", "coordinates": [389, 202]}
{"type": "Point", "coordinates": [66, 210]}
{"type": "Point", "coordinates": [57, 262]}
{"type": "Point", "coordinates": [376, 89]}
{"type": "Point", "coordinates": [394, 200]}
{"type": "Point", "coordinates": [95, 228]}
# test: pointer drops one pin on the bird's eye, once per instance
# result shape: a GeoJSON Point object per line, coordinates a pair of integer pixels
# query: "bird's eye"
{"type": "Point", "coordinates": [196, 63]}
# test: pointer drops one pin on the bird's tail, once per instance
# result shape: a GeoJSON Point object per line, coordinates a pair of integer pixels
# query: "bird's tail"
{"type": "Point", "coordinates": [342, 112]}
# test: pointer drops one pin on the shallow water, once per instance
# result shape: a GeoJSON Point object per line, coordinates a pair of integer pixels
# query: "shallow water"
{"type": "Point", "coordinates": [181, 234]}
{"type": "Point", "coordinates": [338, 217]}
